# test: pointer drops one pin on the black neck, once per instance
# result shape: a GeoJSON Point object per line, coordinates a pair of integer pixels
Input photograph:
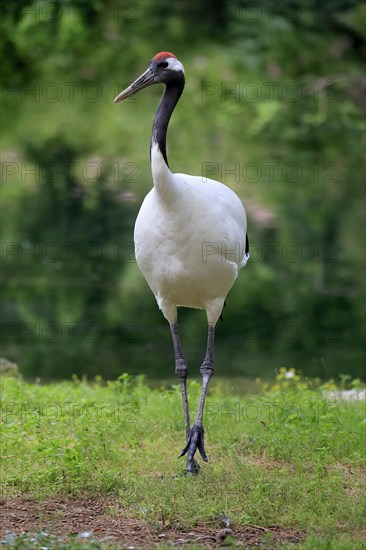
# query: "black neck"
{"type": "Point", "coordinates": [170, 98]}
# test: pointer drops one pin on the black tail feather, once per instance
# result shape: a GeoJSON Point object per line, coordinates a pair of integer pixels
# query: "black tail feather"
{"type": "Point", "coordinates": [221, 316]}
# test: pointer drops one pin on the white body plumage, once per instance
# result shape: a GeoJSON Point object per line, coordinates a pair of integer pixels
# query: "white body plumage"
{"type": "Point", "coordinates": [190, 238]}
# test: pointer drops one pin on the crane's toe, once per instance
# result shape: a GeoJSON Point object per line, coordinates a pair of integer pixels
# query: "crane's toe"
{"type": "Point", "coordinates": [195, 441]}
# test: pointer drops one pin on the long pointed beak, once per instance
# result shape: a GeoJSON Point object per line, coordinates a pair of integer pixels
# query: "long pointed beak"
{"type": "Point", "coordinates": [146, 79]}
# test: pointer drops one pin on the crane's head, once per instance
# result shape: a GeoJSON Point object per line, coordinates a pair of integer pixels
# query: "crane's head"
{"type": "Point", "coordinates": [163, 68]}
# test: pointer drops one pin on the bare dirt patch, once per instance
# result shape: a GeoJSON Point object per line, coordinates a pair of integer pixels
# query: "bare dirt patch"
{"type": "Point", "coordinates": [107, 521]}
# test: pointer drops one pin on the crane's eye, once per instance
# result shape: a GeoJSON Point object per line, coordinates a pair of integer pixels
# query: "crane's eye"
{"type": "Point", "coordinates": [163, 65]}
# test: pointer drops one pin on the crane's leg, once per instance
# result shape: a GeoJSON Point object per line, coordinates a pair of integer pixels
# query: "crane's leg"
{"type": "Point", "coordinates": [196, 436]}
{"type": "Point", "coordinates": [181, 370]}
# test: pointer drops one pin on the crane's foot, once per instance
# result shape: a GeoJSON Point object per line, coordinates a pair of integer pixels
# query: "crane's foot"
{"type": "Point", "coordinates": [192, 467]}
{"type": "Point", "coordinates": [195, 441]}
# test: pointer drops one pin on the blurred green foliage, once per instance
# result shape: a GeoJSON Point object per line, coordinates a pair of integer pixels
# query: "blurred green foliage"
{"type": "Point", "coordinates": [273, 107]}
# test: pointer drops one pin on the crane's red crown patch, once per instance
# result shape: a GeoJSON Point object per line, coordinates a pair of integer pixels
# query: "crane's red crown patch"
{"type": "Point", "coordinates": [163, 55]}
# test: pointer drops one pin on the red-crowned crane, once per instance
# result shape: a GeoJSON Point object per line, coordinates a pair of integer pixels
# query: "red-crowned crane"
{"type": "Point", "coordinates": [190, 240]}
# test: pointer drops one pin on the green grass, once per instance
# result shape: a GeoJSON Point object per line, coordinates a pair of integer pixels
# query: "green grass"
{"type": "Point", "coordinates": [287, 456]}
